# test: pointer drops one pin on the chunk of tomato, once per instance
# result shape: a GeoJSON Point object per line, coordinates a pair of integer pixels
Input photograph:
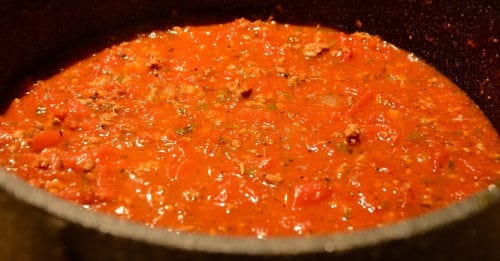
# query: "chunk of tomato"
{"type": "Point", "coordinates": [45, 139]}
{"type": "Point", "coordinates": [310, 192]}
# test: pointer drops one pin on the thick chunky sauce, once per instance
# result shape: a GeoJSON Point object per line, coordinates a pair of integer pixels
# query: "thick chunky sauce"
{"type": "Point", "coordinates": [251, 128]}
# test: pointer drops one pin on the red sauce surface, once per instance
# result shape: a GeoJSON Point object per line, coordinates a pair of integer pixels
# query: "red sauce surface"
{"type": "Point", "coordinates": [251, 128]}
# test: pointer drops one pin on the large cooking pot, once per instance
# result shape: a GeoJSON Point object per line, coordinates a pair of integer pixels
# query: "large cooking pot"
{"type": "Point", "coordinates": [460, 38]}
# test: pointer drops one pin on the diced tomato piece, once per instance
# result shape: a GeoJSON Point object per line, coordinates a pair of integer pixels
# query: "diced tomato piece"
{"type": "Point", "coordinates": [107, 183]}
{"type": "Point", "coordinates": [106, 153]}
{"type": "Point", "coordinates": [439, 159]}
{"type": "Point", "coordinates": [71, 161]}
{"type": "Point", "coordinates": [362, 102]}
{"type": "Point", "coordinates": [75, 113]}
{"type": "Point", "coordinates": [310, 192]}
{"type": "Point", "coordinates": [45, 139]}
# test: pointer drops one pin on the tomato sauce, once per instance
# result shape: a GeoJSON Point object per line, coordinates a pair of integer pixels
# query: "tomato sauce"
{"type": "Point", "coordinates": [251, 128]}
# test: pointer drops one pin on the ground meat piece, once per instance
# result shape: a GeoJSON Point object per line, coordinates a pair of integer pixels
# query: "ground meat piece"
{"type": "Point", "coordinates": [314, 49]}
{"type": "Point", "coordinates": [352, 133]}
{"type": "Point", "coordinates": [273, 178]}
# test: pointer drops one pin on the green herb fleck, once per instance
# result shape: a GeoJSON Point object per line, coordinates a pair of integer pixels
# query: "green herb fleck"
{"type": "Point", "coordinates": [415, 136]}
{"type": "Point", "coordinates": [120, 78]}
{"type": "Point", "coordinates": [272, 106]}
{"type": "Point", "coordinates": [343, 147]}
{"type": "Point", "coordinates": [450, 167]}
{"type": "Point", "coordinates": [347, 214]}
{"type": "Point", "coordinates": [202, 106]}
{"type": "Point", "coordinates": [251, 171]}
{"type": "Point", "coordinates": [222, 95]}
{"type": "Point", "coordinates": [222, 140]}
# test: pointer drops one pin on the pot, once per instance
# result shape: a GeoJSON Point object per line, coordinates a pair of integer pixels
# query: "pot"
{"type": "Point", "coordinates": [460, 38]}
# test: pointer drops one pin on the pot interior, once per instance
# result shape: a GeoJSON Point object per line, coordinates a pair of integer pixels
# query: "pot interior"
{"type": "Point", "coordinates": [459, 38]}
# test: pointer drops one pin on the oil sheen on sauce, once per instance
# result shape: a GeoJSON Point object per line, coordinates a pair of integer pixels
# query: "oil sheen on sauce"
{"type": "Point", "coordinates": [251, 128]}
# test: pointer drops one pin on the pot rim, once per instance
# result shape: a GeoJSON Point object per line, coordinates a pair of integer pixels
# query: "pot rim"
{"type": "Point", "coordinates": [337, 242]}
